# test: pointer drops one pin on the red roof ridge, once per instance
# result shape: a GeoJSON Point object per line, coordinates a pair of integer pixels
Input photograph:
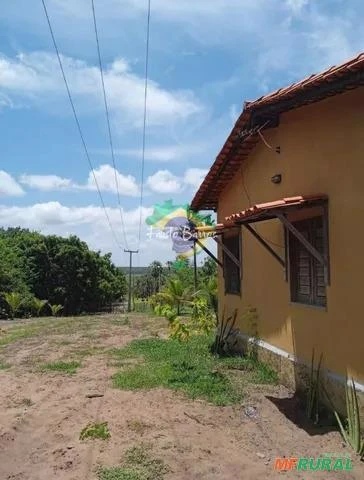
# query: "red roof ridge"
{"type": "Point", "coordinates": [207, 195]}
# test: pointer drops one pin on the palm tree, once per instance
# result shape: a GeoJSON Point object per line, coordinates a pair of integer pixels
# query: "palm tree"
{"type": "Point", "coordinates": [38, 305]}
{"type": "Point", "coordinates": [14, 300]}
{"type": "Point", "coordinates": [176, 293]}
{"type": "Point", "coordinates": [55, 309]}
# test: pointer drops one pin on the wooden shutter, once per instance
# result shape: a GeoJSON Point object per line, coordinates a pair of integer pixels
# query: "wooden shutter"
{"type": "Point", "coordinates": [232, 271]}
{"type": "Point", "coordinates": [307, 274]}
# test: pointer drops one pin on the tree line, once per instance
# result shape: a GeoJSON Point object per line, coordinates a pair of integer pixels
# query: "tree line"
{"type": "Point", "coordinates": [62, 271]}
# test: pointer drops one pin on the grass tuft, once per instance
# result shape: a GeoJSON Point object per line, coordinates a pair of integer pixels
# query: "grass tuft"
{"type": "Point", "coordinates": [189, 367]}
{"type": "Point", "coordinates": [122, 321]}
{"type": "Point", "coordinates": [95, 430]}
{"type": "Point", "coordinates": [137, 426]}
{"type": "Point", "coordinates": [138, 465]}
{"type": "Point", "coordinates": [68, 368]}
{"type": "Point", "coordinates": [4, 366]}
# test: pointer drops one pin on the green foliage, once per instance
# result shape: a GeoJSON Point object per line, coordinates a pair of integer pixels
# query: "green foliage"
{"type": "Point", "coordinates": [68, 368]}
{"type": "Point", "coordinates": [14, 300]}
{"type": "Point", "coordinates": [202, 321]}
{"type": "Point", "coordinates": [138, 465]}
{"type": "Point", "coordinates": [38, 305]}
{"type": "Point", "coordinates": [221, 345]}
{"type": "Point", "coordinates": [166, 311]}
{"type": "Point", "coordinates": [4, 366]}
{"type": "Point", "coordinates": [351, 431]}
{"type": "Point", "coordinates": [152, 282]}
{"type": "Point", "coordinates": [63, 270]}
{"type": "Point", "coordinates": [208, 269]}
{"type": "Point", "coordinates": [55, 309]}
{"type": "Point", "coordinates": [142, 305]}
{"type": "Point", "coordinates": [95, 430]}
{"type": "Point", "coordinates": [189, 367]}
{"type": "Point", "coordinates": [176, 293]}
{"type": "Point", "coordinates": [209, 291]}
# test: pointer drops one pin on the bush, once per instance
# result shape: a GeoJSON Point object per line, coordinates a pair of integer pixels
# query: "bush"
{"type": "Point", "coordinates": [202, 321]}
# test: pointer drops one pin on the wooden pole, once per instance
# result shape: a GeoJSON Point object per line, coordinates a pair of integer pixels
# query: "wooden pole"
{"type": "Point", "coordinates": [131, 252]}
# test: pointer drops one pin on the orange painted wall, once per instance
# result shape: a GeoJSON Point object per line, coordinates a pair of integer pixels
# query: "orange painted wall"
{"type": "Point", "coordinates": [322, 151]}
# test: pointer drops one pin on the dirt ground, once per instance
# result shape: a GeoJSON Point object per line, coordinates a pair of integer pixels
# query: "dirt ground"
{"type": "Point", "coordinates": [42, 415]}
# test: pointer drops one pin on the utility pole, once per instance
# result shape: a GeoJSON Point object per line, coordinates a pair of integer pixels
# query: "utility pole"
{"type": "Point", "coordinates": [130, 265]}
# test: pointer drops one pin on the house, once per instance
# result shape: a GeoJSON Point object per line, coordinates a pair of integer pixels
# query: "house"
{"type": "Point", "coordinates": [288, 189]}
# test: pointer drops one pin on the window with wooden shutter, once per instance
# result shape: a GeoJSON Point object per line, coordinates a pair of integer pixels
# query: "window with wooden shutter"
{"type": "Point", "coordinates": [306, 273]}
{"type": "Point", "coordinates": [231, 270]}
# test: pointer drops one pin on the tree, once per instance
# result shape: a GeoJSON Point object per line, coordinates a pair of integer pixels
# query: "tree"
{"type": "Point", "coordinates": [63, 270]}
{"type": "Point", "coordinates": [176, 293]}
{"type": "Point", "coordinates": [209, 292]}
{"type": "Point", "coordinates": [155, 271]}
{"type": "Point", "coordinates": [209, 268]}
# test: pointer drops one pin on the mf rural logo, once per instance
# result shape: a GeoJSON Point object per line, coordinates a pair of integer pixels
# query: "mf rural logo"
{"type": "Point", "coordinates": [327, 462]}
{"type": "Point", "coordinates": [178, 224]}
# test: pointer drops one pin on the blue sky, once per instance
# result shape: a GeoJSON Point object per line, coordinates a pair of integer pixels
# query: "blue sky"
{"type": "Point", "coordinates": [206, 58]}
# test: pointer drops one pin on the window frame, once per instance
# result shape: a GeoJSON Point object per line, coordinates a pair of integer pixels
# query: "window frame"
{"type": "Point", "coordinates": [229, 264]}
{"type": "Point", "coordinates": [294, 249]}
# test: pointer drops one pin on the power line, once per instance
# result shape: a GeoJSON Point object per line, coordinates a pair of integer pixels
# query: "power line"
{"type": "Point", "coordinates": [144, 119]}
{"type": "Point", "coordinates": [78, 123]}
{"type": "Point", "coordinates": [108, 121]}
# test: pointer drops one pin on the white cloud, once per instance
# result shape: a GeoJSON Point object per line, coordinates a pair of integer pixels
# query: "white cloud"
{"type": "Point", "coordinates": [8, 186]}
{"type": "Point", "coordinates": [46, 183]}
{"type": "Point", "coordinates": [194, 176]}
{"type": "Point", "coordinates": [164, 181]}
{"type": "Point", "coordinates": [89, 223]}
{"type": "Point", "coordinates": [105, 176]}
{"type": "Point", "coordinates": [36, 77]}
{"type": "Point", "coordinates": [160, 153]}
{"type": "Point", "coordinates": [43, 215]}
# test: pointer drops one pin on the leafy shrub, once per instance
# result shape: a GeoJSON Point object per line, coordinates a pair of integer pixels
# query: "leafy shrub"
{"type": "Point", "coordinates": [14, 301]}
{"type": "Point", "coordinates": [201, 322]}
{"type": "Point", "coordinates": [38, 305]}
{"type": "Point", "coordinates": [55, 309]}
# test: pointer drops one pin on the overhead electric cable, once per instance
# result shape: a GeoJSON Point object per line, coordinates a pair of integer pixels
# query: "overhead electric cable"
{"type": "Point", "coordinates": [78, 123]}
{"type": "Point", "coordinates": [144, 119]}
{"type": "Point", "coordinates": [108, 122]}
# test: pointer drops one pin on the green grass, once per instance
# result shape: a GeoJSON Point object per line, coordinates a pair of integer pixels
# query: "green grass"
{"type": "Point", "coordinates": [123, 321]}
{"type": "Point", "coordinates": [4, 366]}
{"type": "Point", "coordinates": [90, 351]}
{"type": "Point", "coordinates": [189, 367]}
{"type": "Point", "coordinates": [138, 465]}
{"type": "Point", "coordinates": [68, 368]}
{"type": "Point", "coordinates": [49, 326]}
{"type": "Point", "coordinates": [95, 430]}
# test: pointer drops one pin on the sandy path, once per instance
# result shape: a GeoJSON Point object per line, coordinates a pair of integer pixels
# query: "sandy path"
{"type": "Point", "coordinates": [197, 441]}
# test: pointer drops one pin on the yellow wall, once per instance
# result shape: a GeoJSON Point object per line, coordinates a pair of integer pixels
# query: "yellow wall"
{"type": "Point", "coordinates": [322, 151]}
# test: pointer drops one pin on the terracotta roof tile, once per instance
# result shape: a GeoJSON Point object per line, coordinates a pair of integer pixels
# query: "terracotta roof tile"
{"type": "Point", "coordinates": [264, 208]}
{"type": "Point", "coordinates": [300, 93]}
